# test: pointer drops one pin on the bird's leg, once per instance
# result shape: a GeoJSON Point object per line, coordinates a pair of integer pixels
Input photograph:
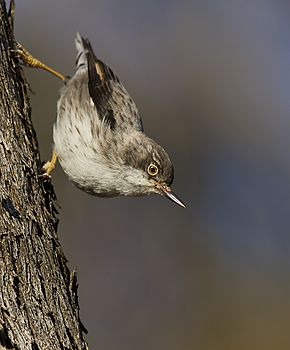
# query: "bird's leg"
{"type": "Point", "coordinates": [33, 62]}
{"type": "Point", "coordinates": [49, 166]}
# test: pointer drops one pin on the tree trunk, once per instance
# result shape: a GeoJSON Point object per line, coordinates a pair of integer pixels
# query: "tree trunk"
{"type": "Point", "coordinates": [38, 295]}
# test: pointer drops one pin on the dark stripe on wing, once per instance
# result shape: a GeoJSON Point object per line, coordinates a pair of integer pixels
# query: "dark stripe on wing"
{"type": "Point", "coordinates": [100, 78]}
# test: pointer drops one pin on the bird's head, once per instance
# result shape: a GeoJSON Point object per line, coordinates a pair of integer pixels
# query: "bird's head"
{"type": "Point", "coordinates": [149, 168]}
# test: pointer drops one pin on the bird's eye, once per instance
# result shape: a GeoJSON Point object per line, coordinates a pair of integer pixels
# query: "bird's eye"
{"type": "Point", "coordinates": [152, 169]}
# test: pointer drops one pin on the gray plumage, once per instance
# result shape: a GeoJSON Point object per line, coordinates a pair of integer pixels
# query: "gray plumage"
{"type": "Point", "coordinates": [99, 137]}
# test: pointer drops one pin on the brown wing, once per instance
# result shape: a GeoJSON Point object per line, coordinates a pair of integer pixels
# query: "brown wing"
{"type": "Point", "coordinates": [112, 101]}
{"type": "Point", "coordinates": [99, 83]}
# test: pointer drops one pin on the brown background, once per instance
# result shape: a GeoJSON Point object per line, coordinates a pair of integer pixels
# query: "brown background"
{"type": "Point", "coordinates": [212, 81]}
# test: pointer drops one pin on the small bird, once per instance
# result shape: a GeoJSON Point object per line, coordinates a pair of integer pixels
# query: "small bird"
{"type": "Point", "coordinates": [98, 135]}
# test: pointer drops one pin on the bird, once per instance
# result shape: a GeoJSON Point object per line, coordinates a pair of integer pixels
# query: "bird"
{"type": "Point", "coordinates": [98, 135]}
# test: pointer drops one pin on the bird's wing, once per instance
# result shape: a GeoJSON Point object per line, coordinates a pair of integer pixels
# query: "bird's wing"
{"type": "Point", "coordinates": [113, 103]}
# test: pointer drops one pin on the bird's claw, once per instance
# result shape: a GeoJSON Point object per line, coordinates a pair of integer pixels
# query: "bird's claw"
{"type": "Point", "coordinates": [29, 61]}
{"type": "Point", "coordinates": [25, 56]}
{"type": "Point", "coordinates": [45, 176]}
{"type": "Point", "coordinates": [47, 169]}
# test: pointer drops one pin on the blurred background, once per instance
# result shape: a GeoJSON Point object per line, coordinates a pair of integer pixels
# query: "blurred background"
{"type": "Point", "coordinates": [212, 82]}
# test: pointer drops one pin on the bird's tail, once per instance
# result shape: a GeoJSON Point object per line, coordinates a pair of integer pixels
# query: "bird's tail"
{"type": "Point", "coordinates": [86, 59]}
{"type": "Point", "coordinates": [83, 46]}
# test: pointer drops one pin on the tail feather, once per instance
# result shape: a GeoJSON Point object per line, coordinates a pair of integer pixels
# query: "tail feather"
{"type": "Point", "coordinates": [85, 54]}
{"type": "Point", "coordinates": [83, 46]}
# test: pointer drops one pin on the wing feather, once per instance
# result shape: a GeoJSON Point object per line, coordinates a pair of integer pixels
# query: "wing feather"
{"type": "Point", "coordinates": [111, 100]}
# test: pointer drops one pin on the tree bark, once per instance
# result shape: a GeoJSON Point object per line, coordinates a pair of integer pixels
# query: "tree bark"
{"type": "Point", "coordinates": [38, 294]}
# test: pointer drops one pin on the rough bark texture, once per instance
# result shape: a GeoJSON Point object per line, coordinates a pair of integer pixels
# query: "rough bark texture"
{"type": "Point", "coordinates": [38, 299]}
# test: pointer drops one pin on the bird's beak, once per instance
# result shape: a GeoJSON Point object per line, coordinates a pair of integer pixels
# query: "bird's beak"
{"type": "Point", "coordinates": [166, 191]}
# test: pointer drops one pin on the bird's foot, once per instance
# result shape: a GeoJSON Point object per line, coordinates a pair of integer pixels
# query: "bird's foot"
{"type": "Point", "coordinates": [26, 57]}
{"type": "Point", "coordinates": [32, 62]}
{"type": "Point", "coordinates": [48, 167]}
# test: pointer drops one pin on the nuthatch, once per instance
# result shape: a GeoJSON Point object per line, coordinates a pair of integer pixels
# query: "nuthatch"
{"type": "Point", "coordinates": [98, 135]}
